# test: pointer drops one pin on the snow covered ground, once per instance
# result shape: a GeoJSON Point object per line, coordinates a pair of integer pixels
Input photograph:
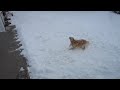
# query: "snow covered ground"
{"type": "Point", "coordinates": [45, 38]}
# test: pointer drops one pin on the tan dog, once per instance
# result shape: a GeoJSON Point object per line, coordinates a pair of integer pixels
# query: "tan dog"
{"type": "Point", "coordinates": [78, 43]}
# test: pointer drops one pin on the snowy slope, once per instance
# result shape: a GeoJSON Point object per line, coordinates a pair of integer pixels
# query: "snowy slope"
{"type": "Point", "coordinates": [45, 38]}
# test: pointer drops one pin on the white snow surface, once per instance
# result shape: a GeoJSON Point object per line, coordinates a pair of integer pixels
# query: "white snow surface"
{"type": "Point", "coordinates": [45, 38]}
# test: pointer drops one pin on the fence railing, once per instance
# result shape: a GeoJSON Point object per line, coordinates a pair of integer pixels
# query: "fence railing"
{"type": "Point", "coordinates": [2, 23]}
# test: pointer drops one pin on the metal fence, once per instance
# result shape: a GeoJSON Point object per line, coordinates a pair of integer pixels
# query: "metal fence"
{"type": "Point", "coordinates": [2, 28]}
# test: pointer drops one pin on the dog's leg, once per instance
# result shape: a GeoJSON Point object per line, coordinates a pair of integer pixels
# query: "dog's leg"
{"type": "Point", "coordinates": [70, 45]}
{"type": "Point", "coordinates": [71, 48]}
{"type": "Point", "coordinates": [83, 47]}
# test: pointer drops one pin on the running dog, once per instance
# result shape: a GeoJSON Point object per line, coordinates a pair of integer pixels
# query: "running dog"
{"type": "Point", "coordinates": [82, 43]}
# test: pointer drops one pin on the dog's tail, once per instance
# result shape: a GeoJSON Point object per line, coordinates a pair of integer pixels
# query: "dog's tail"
{"type": "Point", "coordinates": [87, 44]}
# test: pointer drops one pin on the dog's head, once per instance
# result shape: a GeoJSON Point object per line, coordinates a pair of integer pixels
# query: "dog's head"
{"type": "Point", "coordinates": [71, 38]}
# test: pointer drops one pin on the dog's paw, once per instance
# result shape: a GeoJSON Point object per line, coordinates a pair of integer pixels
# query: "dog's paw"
{"type": "Point", "coordinates": [71, 48]}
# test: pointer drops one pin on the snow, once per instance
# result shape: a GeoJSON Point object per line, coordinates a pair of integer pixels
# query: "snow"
{"type": "Point", "coordinates": [45, 38]}
{"type": "Point", "coordinates": [21, 69]}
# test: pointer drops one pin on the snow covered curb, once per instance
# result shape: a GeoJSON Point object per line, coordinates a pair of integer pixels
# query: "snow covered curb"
{"type": "Point", "coordinates": [14, 49]}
